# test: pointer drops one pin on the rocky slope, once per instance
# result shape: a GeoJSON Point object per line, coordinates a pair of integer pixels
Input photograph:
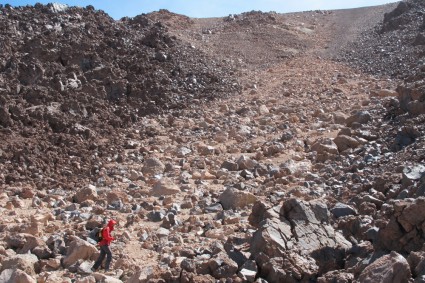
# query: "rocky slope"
{"type": "Point", "coordinates": [74, 76]}
{"type": "Point", "coordinates": [395, 47]}
{"type": "Point", "coordinates": [251, 148]}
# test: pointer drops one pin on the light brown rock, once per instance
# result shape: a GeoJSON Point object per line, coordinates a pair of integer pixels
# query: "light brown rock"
{"type": "Point", "coordinates": [233, 198]}
{"type": "Point", "coordinates": [387, 93]}
{"type": "Point", "coordinates": [345, 142]}
{"type": "Point", "coordinates": [392, 268]}
{"type": "Point", "coordinates": [20, 276]}
{"type": "Point", "coordinates": [325, 146]}
{"type": "Point", "coordinates": [153, 166]}
{"type": "Point", "coordinates": [78, 249]}
{"type": "Point", "coordinates": [24, 262]}
{"type": "Point", "coordinates": [165, 187]}
{"type": "Point", "coordinates": [88, 193]}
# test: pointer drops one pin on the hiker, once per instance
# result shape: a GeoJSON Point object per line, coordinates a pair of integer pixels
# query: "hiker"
{"type": "Point", "coordinates": [104, 246]}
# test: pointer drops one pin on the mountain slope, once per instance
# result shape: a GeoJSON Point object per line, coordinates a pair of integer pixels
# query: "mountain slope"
{"type": "Point", "coordinates": [249, 148]}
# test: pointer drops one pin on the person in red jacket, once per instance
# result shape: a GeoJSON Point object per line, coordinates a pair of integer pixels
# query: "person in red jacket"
{"type": "Point", "coordinates": [104, 246]}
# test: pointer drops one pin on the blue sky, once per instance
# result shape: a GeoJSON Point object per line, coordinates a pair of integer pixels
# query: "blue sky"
{"type": "Point", "coordinates": [206, 8]}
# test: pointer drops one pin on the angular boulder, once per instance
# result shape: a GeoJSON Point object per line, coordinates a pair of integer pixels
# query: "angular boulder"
{"type": "Point", "coordinates": [273, 238]}
{"type": "Point", "coordinates": [301, 226]}
{"type": "Point", "coordinates": [78, 249]}
{"type": "Point", "coordinates": [325, 148]}
{"type": "Point", "coordinates": [222, 266]}
{"type": "Point", "coordinates": [165, 187]}
{"type": "Point", "coordinates": [232, 198]}
{"type": "Point", "coordinates": [290, 267]}
{"type": "Point", "coordinates": [15, 276]}
{"type": "Point", "coordinates": [261, 211]}
{"type": "Point", "coordinates": [247, 163]}
{"type": "Point", "coordinates": [361, 117]}
{"type": "Point", "coordinates": [387, 269]}
{"type": "Point", "coordinates": [341, 210]}
{"type": "Point", "coordinates": [84, 194]}
{"type": "Point", "coordinates": [345, 142]}
{"type": "Point", "coordinates": [230, 165]}
{"type": "Point", "coordinates": [309, 226]}
{"type": "Point", "coordinates": [24, 262]}
{"type": "Point", "coordinates": [404, 233]}
{"type": "Point", "coordinates": [153, 166]}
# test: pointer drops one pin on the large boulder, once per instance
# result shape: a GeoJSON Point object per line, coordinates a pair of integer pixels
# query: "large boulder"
{"type": "Point", "coordinates": [153, 166]}
{"type": "Point", "coordinates": [261, 211]}
{"type": "Point", "coordinates": [84, 194]}
{"type": "Point", "coordinates": [411, 99]}
{"type": "Point", "coordinates": [15, 276]}
{"type": "Point", "coordinates": [230, 165]}
{"type": "Point", "coordinates": [325, 149]}
{"type": "Point", "coordinates": [78, 249]}
{"type": "Point", "coordinates": [417, 263]}
{"type": "Point", "coordinates": [5, 117]}
{"type": "Point", "coordinates": [222, 266]}
{"type": "Point", "coordinates": [183, 151]}
{"type": "Point", "coordinates": [396, 19]}
{"type": "Point", "coordinates": [360, 117]}
{"type": "Point", "coordinates": [302, 228]}
{"type": "Point", "coordinates": [206, 150]}
{"type": "Point", "coordinates": [165, 187]}
{"type": "Point", "coordinates": [290, 267]}
{"type": "Point", "coordinates": [404, 231]}
{"type": "Point", "coordinates": [309, 223]}
{"type": "Point", "coordinates": [339, 118]}
{"type": "Point", "coordinates": [272, 238]}
{"type": "Point", "coordinates": [345, 142]}
{"type": "Point", "coordinates": [142, 275]}
{"type": "Point", "coordinates": [387, 269]}
{"type": "Point", "coordinates": [31, 242]}
{"type": "Point", "coordinates": [24, 262]}
{"type": "Point", "coordinates": [247, 163]}
{"type": "Point", "coordinates": [248, 271]}
{"type": "Point", "coordinates": [387, 93]}
{"type": "Point", "coordinates": [405, 136]}
{"type": "Point", "coordinates": [342, 209]}
{"type": "Point", "coordinates": [232, 198]}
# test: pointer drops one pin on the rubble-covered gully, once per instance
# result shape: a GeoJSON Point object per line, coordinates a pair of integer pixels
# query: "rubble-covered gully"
{"type": "Point", "coordinates": [259, 147]}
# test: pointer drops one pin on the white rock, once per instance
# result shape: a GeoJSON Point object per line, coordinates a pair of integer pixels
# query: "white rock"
{"type": "Point", "coordinates": [58, 7]}
{"type": "Point", "coordinates": [263, 109]}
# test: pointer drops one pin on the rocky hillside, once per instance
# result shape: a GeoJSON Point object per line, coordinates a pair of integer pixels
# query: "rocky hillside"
{"type": "Point", "coordinates": [395, 47]}
{"type": "Point", "coordinates": [70, 76]}
{"type": "Point", "coordinates": [258, 147]}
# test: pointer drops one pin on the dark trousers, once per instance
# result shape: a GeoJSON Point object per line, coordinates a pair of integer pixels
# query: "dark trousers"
{"type": "Point", "coordinates": [104, 251]}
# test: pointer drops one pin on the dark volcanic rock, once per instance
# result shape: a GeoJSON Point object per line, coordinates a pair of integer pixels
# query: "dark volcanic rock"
{"type": "Point", "coordinates": [72, 75]}
{"type": "Point", "coordinates": [394, 47]}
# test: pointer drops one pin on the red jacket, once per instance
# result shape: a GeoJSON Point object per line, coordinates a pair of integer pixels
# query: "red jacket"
{"type": "Point", "coordinates": [106, 234]}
